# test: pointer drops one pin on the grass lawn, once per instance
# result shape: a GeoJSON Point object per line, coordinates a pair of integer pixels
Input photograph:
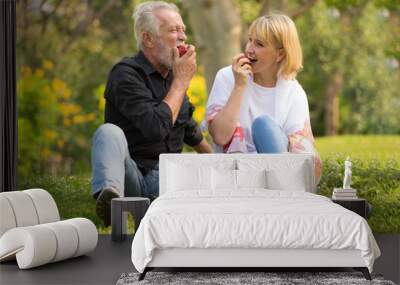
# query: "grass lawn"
{"type": "Point", "coordinates": [361, 147]}
{"type": "Point", "coordinates": [376, 174]}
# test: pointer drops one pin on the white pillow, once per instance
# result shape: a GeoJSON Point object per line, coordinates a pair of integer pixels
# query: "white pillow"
{"type": "Point", "coordinates": [293, 180]}
{"type": "Point", "coordinates": [183, 177]}
{"type": "Point", "coordinates": [251, 178]}
{"type": "Point", "coordinates": [223, 179]}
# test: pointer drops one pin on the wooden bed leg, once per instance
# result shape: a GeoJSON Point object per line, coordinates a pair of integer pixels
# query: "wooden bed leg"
{"type": "Point", "coordinates": [143, 274]}
{"type": "Point", "coordinates": [364, 271]}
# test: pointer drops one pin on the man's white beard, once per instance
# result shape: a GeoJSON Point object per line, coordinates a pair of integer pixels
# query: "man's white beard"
{"type": "Point", "coordinates": [165, 55]}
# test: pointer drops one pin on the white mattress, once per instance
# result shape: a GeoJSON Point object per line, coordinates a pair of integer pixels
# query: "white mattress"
{"type": "Point", "coordinates": [252, 218]}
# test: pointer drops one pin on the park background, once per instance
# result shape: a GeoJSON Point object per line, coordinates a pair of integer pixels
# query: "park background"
{"type": "Point", "coordinates": [351, 74]}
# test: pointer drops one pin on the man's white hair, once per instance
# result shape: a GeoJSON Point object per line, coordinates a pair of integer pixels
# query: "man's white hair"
{"type": "Point", "coordinates": [146, 21]}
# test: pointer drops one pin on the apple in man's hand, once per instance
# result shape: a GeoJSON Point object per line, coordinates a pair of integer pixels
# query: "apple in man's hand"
{"type": "Point", "coordinates": [182, 50]}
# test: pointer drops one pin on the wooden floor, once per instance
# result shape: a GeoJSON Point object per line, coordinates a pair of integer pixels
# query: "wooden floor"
{"type": "Point", "coordinates": [110, 260]}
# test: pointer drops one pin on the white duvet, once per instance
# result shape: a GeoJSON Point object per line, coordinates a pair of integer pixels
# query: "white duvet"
{"type": "Point", "coordinates": [253, 218]}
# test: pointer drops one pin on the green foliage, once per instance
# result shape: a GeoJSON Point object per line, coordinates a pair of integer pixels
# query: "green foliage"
{"type": "Point", "coordinates": [377, 181]}
{"type": "Point", "coordinates": [37, 115]}
{"type": "Point", "coordinates": [52, 128]}
{"type": "Point", "coordinates": [393, 5]}
{"type": "Point", "coordinates": [376, 174]}
{"type": "Point", "coordinates": [248, 11]}
{"type": "Point", "coordinates": [354, 40]}
{"type": "Point", "coordinates": [343, 4]}
{"type": "Point", "coordinates": [55, 128]}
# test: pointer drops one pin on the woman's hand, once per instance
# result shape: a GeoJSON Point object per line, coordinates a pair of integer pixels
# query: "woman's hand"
{"type": "Point", "coordinates": [241, 69]}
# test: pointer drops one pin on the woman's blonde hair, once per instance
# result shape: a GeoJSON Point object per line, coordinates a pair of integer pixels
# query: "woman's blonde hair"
{"type": "Point", "coordinates": [280, 31]}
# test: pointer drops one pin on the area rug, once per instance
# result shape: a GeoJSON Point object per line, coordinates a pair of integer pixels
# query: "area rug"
{"type": "Point", "coordinates": [243, 278]}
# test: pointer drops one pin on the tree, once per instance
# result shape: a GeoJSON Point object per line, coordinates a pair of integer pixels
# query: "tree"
{"type": "Point", "coordinates": [217, 31]}
{"type": "Point", "coordinates": [347, 71]}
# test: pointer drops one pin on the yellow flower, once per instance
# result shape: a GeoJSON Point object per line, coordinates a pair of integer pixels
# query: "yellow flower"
{"type": "Point", "coordinates": [99, 94]}
{"type": "Point", "coordinates": [199, 113]}
{"type": "Point", "coordinates": [47, 64]}
{"type": "Point", "coordinates": [102, 104]}
{"type": "Point", "coordinates": [192, 98]}
{"type": "Point", "coordinates": [61, 88]}
{"type": "Point", "coordinates": [39, 72]}
{"type": "Point", "coordinates": [90, 117]}
{"type": "Point", "coordinates": [79, 119]}
{"type": "Point", "coordinates": [197, 90]}
{"type": "Point", "coordinates": [49, 134]}
{"type": "Point", "coordinates": [67, 122]}
{"type": "Point", "coordinates": [45, 153]}
{"type": "Point", "coordinates": [68, 109]}
{"type": "Point", "coordinates": [26, 71]}
{"type": "Point", "coordinates": [60, 143]}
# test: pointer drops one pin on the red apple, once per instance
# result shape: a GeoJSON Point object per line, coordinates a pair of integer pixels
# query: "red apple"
{"type": "Point", "coordinates": [182, 50]}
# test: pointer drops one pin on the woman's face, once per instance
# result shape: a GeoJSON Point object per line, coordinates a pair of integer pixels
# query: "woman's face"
{"type": "Point", "coordinates": [264, 57]}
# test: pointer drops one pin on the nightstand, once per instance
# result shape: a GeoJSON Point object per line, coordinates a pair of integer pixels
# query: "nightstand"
{"type": "Point", "coordinates": [359, 206]}
{"type": "Point", "coordinates": [119, 209]}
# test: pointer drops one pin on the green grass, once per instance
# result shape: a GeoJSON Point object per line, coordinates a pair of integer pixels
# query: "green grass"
{"type": "Point", "coordinates": [376, 175]}
{"type": "Point", "coordinates": [360, 147]}
{"type": "Point", "coordinates": [72, 195]}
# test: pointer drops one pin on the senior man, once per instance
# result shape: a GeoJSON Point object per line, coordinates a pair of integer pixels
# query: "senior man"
{"type": "Point", "coordinates": [147, 111]}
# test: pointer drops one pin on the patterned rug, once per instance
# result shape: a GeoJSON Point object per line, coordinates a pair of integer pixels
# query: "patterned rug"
{"type": "Point", "coordinates": [243, 278]}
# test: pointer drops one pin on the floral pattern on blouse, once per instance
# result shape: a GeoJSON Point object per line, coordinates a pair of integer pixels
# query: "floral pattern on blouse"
{"type": "Point", "coordinates": [236, 143]}
{"type": "Point", "coordinates": [303, 141]}
{"type": "Point", "coordinates": [299, 142]}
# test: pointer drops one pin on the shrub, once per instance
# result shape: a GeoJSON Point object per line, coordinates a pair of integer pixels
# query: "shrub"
{"type": "Point", "coordinates": [378, 181]}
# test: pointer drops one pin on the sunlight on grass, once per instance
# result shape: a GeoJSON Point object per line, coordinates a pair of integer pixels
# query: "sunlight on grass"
{"type": "Point", "coordinates": [130, 224]}
{"type": "Point", "coordinates": [361, 147]}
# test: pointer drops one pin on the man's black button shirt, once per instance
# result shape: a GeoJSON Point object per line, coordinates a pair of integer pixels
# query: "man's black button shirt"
{"type": "Point", "coordinates": [134, 95]}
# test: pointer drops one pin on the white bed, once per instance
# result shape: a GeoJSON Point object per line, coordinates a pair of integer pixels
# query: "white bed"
{"type": "Point", "coordinates": [214, 211]}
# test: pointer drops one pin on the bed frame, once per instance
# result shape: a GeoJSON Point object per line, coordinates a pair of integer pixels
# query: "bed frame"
{"type": "Point", "coordinates": [256, 258]}
{"type": "Point", "coordinates": [246, 258]}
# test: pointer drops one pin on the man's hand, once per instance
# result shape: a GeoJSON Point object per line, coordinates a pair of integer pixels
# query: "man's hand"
{"type": "Point", "coordinates": [183, 69]}
{"type": "Point", "coordinates": [203, 147]}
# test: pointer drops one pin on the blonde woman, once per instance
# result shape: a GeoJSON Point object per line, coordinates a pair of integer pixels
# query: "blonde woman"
{"type": "Point", "coordinates": [256, 105]}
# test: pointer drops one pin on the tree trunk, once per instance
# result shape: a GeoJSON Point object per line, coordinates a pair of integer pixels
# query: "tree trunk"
{"type": "Point", "coordinates": [217, 30]}
{"type": "Point", "coordinates": [332, 93]}
{"type": "Point", "coordinates": [272, 6]}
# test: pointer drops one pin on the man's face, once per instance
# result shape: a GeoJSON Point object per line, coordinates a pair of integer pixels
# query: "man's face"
{"type": "Point", "coordinates": [171, 34]}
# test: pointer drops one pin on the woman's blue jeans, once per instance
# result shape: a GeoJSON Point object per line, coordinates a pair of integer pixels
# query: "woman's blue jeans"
{"type": "Point", "coordinates": [113, 167]}
{"type": "Point", "coordinates": [268, 137]}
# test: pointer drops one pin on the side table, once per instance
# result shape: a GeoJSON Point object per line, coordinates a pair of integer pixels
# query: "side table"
{"type": "Point", "coordinates": [137, 206]}
{"type": "Point", "coordinates": [359, 206]}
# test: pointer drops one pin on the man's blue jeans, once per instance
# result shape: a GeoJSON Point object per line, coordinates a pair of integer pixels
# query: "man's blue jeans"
{"type": "Point", "coordinates": [268, 136]}
{"type": "Point", "coordinates": [113, 166]}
